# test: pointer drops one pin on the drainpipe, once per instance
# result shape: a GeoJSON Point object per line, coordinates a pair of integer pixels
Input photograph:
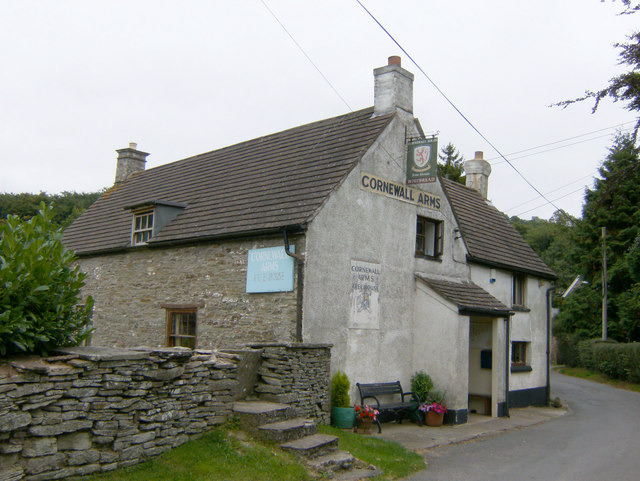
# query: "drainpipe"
{"type": "Point", "coordinates": [549, 305]}
{"type": "Point", "coordinates": [299, 261]}
{"type": "Point", "coordinates": [507, 368]}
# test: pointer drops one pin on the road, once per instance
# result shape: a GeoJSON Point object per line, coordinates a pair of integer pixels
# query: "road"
{"type": "Point", "coordinates": [598, 441]}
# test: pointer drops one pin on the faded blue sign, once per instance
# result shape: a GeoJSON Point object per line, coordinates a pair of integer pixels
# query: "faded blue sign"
{"type": "Point", "coordinates": [270, 270]}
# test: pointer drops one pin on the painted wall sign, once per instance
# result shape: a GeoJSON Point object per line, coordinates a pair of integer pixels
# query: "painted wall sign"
{"type": "Point", "coordinates": [388, 188]}
{"type": "Point", "coordinates": [365, 291]}
{"type": "Point", "coordinates": [269, 270]}
{"type": "Point", "coordinates": [422, 161]}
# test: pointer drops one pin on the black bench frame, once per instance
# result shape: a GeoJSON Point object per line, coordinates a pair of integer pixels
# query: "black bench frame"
{"type": "Point", "coordinates": [390, 411]}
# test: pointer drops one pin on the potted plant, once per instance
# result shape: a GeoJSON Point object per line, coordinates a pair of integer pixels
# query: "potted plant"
{"type": "Point", "coordinates": [342, 412]}
{"type": "Point", "coordinates": [365, 416]}
{"type": "Point", "coordinates": [421, 385]}
{"type": "Point", "coordinates": [434, 409]}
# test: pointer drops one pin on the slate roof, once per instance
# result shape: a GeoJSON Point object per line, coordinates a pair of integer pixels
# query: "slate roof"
{"type": "Point", "coordinates": [490, 238]}
{"type": "Point", "coordinates": [261, 185]}
{"type": "Point", "coordinates": [469, 297]}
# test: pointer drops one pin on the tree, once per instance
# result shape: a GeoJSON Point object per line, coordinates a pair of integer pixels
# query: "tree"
{"type": "Point", "coordinates": [624, 87]}
{"type": "Point", "coordinates": [614, 203]}
{"type": "Point", "coordinates": [40, 288]}
{"type": "Point", "coordinates": [551, 240]}
{"type": "Point", "coordinates": [451, 164]}
{"type": "Point", "coordinates": [66, 206]}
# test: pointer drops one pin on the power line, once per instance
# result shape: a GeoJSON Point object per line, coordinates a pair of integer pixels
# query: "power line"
{"type": "Point", "coordinates": [555, 148]}
{"type": "Point", "coordinates": [550, 192]}
{"type": "Point", "coordinates": [568, 138]}
{"type": "Point", "coordinates": [457, 109]}
{"type": "Point", "coordinates": [547, 203]}
{"type": "Point", "coordinates": [307, 56]}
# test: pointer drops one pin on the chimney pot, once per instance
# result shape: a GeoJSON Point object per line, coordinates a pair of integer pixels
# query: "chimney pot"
{"type": "Point", "coordinates": [479, 155]}
{"type": "Point", "coordinates": [395, 60]}
{"type": "Point", "coordinates": [133, 145]}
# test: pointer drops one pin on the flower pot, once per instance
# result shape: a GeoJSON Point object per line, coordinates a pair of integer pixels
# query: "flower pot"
{"type": "Point", "coordinates": [343, 417]}
{"type": "Point", "coordinates": [432, 418]}
{"type": "Point", "coordinates": [364, 426]}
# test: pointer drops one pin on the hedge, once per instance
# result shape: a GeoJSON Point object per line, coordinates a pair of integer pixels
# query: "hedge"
{"type": "Point", "coordinates": [618, 361]}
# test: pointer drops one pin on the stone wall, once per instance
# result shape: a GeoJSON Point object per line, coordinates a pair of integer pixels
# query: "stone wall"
{"type": "Point", "coordinates": [98, 409]}
{"type": "Point", "coordinates": [131, 290]}
{"type": "Point", "coordinates": [95, 409]}
{"type": "Point", "coordinates": [297, 374]}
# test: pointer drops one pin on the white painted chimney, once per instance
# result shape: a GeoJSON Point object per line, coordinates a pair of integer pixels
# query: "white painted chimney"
{"type": "Point", "coordinates": [477, 171]}
{"type": "Point", "coordinates": [393, 88]}
{"type": "Point", "coordinates": [130, 160]}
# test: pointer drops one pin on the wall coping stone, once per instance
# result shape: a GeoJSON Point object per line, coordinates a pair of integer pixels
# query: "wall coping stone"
{"type": "Point", "coordinates": [289, 345]}
{"type": "Point", "coordinates": [95, 353]}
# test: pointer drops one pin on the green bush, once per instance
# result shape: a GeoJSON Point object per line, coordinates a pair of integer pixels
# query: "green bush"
{"type": "Point", "coordinates": [340, 390]}
{"type": "Point", "coordinates": [568, 350]}
{"type": "Point", "coordinates": [39, 288]}
{"type": "Point", "coordinates": [633, 362]}
{"type": "Point", "coordinates": [421, 385]}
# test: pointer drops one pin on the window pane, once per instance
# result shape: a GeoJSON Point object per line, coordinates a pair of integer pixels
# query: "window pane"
{"type": "Point", "coordinates": [150, 221]}
{"type": "Point", "coordinates": [137, 223]}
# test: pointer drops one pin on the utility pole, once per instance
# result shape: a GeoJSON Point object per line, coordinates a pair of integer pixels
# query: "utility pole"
{"type": "Point", "coordinates": [604, 283]}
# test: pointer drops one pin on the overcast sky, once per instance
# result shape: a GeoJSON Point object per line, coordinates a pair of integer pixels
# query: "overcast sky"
{"type": "Point", "coordinates": [80, 79]}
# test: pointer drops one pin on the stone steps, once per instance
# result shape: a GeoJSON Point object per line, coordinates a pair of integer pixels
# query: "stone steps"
{"type": "Point", "coordinates": [312, 446]}
{"type": "Point", "coordinates": [288, 430]}
{"type": "Point", "coordinates": [276, 422]}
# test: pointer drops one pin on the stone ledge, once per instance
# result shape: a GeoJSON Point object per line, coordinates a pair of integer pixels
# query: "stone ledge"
{"type": "Point", "coordinates": [93, 353]}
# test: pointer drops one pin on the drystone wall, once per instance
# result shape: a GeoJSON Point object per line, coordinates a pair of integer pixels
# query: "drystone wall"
{"type": "Point", "coordinates": [296, 374]}
{"type": "Point", "coordinates": [96, 409]}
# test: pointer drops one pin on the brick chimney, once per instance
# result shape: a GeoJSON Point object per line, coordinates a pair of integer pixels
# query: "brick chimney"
{"type": "Point", "coordinates": [393, 88]}
{"type": "Point", "coordinates": [130, 160]}
{"type": "Point", "coordinates": [477, 171]}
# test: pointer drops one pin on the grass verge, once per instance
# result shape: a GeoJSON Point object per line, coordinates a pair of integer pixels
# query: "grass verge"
{"type": "Point", "coordinates": [597, 377]}
{"type": "Point", "coordinates": [394, 460]}
{"type": "Point", "coordinates": [214, 456]}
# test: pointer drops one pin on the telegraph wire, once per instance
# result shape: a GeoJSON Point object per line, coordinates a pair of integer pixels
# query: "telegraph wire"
{"type": "Point", "coordinates": [457, 109]}
{"type": "Point", "coordinates": [550, 192]}
{"type": "Point", "coordinates": [568, 138]}
{"type": "Point", "coordinates": [554, 148]}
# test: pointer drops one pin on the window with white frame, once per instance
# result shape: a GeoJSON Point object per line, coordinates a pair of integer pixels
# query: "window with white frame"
{"type": "Point", "coordinates": [142, 227]}
{"type": "Point", "coordinates": [429, 237]}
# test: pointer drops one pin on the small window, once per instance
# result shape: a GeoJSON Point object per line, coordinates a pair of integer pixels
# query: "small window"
{"type": "Point", "coordinates": [519, 360]}
{"type": "Point", "coordinates": [142, 227]}
{"type": "Point", "coordinates": [519, 290]}
{"type": "Point", "coordinates": [181, 328]}
{"type": "Point", "coordinates": [429, 237]}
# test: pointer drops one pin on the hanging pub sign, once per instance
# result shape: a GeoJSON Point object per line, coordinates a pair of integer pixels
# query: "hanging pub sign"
{"type": "Point", "coordinates": [269, 270]}
{"type": "Point", "coordinates": [422, 161]}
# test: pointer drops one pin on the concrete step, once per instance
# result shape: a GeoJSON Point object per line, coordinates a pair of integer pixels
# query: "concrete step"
{"type": "Point", "coordinates": [312, 446]}
{"type": "Point", "coordinates": [288, 430]}
{"type": "Point", "coordinates": [334, 461]}
{"type": "Point", "coordinates": [255, 413]}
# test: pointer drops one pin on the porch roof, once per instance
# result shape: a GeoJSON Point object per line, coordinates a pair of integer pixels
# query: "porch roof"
{"type": "Point", "coordinates": [470, 298]}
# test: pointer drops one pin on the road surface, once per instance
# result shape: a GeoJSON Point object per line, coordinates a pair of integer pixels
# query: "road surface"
{"type": "Point", "coordinates": [599, 440]}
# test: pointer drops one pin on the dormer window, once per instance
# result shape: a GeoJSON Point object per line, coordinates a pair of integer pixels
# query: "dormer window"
{"type": "Point", "coordinates": [150, 217]}
{"type": "Point", "coordinates": [142, 227]}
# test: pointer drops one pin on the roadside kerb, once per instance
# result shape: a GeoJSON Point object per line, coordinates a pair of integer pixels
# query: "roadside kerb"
{"type": "Point", "coordinates": [421, 438]}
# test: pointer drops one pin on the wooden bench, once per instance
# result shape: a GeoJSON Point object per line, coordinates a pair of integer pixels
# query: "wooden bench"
{"type": "Point", "coordinates": [406, 407]}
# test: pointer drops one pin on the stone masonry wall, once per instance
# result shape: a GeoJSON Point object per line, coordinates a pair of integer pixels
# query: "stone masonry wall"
{"type": "Point", "coordinates": [297, 374]}
{"type": "Point", "coordinates": [131, 290]}
{"type": "Point", "coordinates": [98, 409]}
